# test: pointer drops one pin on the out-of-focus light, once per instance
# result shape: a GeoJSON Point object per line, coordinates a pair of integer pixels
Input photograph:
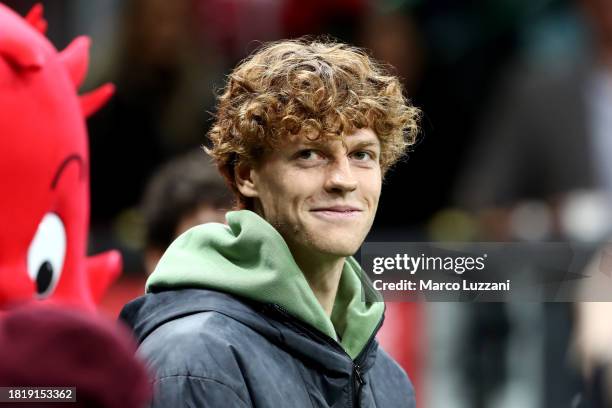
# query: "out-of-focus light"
{"type": "Point", "coordinates": [586, 216]}
{"type": "Point", "coordinates": [452, 224]}
{"type": "Point", "coordinates": [387, 6]}
{"type": "Point", "coordinates": [531, 221]}
{"type": "Point", "coordinates": [129, 228]}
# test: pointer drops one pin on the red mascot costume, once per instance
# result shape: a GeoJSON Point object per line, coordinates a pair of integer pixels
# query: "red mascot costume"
{"type": "Point", "coordinates": [44, 169]}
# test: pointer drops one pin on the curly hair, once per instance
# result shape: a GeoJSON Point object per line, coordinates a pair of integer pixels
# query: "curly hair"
{"type": "Point", "coordinates": [319, 87]}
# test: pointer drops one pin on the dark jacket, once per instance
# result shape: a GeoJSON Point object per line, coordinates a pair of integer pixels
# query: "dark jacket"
{"type": "Point", "coordinates": [211, 349]}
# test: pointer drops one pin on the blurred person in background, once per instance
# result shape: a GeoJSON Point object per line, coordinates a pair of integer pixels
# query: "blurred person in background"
{"type": "Point", "coordinates": [591, 341]}
{"type": "Point", "coordinates": [272, 307]}
{"type": "Point", "coordinates": [184, 192]}
{"type": "Point", "coordinates": [187, 191]}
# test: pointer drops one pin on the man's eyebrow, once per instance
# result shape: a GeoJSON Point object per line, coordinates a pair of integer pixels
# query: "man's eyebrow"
{"type": "Point", "coordinates": [72, 158]}
{"type": "Point", "coordinates": [363, 144]}
{"type": "Point", "coordinates": [322, 143]}
{"type": "Point", "coordinates": [366, 143]}
{"type": "Point", "coordinates": [310, 144]}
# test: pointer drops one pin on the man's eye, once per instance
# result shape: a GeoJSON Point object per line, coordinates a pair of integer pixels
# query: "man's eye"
{"type": "Point", "coordinates": [362, 155]}
{"type": "Point", "coordinates": [309, 154]}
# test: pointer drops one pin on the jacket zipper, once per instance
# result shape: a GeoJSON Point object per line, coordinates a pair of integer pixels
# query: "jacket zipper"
{"type": "Point", "coordinates": [357, 383]}
{"type": "Point", "coordinates": [357, 380]}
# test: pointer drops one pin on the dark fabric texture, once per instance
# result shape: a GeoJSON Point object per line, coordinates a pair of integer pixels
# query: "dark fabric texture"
{"type": "Point", "coordinates": [210, 349]}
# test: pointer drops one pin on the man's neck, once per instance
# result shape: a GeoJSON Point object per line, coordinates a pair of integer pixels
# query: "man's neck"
{"type": "Point", "coordinates": [323, 276]}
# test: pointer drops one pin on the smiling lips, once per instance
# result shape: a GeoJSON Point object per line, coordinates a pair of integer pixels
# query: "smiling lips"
{"type": "Point", "coordinates": [337, 212]}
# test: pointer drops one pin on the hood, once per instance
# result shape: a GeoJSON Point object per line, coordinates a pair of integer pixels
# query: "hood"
{"type": "Point", "coordinates": [250, 259]}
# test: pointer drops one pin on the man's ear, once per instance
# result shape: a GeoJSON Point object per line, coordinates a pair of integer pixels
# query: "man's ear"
{"type": "Point", "coordinates": [245, 177]}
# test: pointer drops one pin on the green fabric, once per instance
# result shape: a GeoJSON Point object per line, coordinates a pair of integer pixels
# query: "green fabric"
{"type": "Point", "coordinates": [249, 258]}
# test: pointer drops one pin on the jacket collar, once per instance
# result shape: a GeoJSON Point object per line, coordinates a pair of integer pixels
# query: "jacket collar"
{"type": "Point", "coordinates": [147, 313]}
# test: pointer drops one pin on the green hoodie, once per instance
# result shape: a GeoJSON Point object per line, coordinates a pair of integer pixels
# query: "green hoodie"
{"type": "Point", "coordinates": [249, 258]}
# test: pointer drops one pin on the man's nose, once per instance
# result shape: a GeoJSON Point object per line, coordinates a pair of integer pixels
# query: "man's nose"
{"type": "Point", "coordinates": [340, 177]}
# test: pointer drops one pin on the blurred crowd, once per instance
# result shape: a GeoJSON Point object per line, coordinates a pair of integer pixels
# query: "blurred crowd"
{"type": "Point", "coordinates": [514, 146]}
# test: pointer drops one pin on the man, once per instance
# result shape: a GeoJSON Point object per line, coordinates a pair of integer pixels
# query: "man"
{"type": "Point", "coordinates": [272, 310]}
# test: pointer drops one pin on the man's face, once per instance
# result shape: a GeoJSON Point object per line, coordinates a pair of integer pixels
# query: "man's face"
{"type": "Point", "coordinates": [321, 196]}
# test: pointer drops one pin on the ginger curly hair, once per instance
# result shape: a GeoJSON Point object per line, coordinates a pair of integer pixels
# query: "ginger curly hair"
{"type": "Point", "coordinates": [320, 87]}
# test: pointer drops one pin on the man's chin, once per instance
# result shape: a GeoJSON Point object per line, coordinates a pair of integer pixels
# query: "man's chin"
{"type": "Point", "coordinates": [337, 247]}
{"type": "Point", "coordinates": [333, 240]}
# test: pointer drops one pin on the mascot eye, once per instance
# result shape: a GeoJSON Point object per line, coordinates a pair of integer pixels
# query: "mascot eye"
{"type": "Point", "coordinates": [46, 254]}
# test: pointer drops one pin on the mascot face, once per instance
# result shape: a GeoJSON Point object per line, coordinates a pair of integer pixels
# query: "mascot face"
{"type": "Point", "coordinates": [44, 169]}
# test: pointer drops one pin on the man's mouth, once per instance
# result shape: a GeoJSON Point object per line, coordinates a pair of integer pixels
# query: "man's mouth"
{"type": "Point", "coordinates": [337, 212]}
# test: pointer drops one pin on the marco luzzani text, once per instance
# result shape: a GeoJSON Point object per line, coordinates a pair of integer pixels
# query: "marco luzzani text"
{"type": "Point", "coordinates": [449, 264]}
